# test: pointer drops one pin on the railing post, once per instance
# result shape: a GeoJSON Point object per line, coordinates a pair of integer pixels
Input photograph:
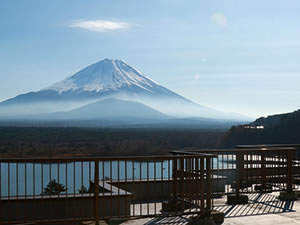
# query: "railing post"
{"type": "Point", "coordinates": [182, 182]}
{"type": "Point", "coordinates": [239, 171]}
{"type": "Point", "coordinates": [263, 170]}
{"type": "Point", "coordinates": [174, 174]}
{"type": "Point", "coordinates": [197, 183]}
{"type": "Point", "coordinates": [208, 184]}
{"type": "Point", "coordinates": [174, 200]}
{"type": "Point", "coordinates": [202, 186]}
{"type": "Point", "coordinates": [96, 192]}
{"type": "Point", "coordinates": [289, 172]}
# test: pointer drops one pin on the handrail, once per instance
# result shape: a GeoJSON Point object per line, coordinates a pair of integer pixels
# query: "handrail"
{"type": "Point", "coordinates": [83, 159]}
{"type": "Point", "coordinates": [177, 152]}
{"type": "Point", "coordinates": [242, 150]}
{"type": "Point", "coordinates": [268, 146]}
{"type": "Point", "coordinates": [180, 153]}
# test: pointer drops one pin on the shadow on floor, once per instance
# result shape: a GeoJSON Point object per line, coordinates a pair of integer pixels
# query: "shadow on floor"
{"type": "Point", "coordinates": [259, 204]}
{"type": "Point", "coordinates": [168, 220]}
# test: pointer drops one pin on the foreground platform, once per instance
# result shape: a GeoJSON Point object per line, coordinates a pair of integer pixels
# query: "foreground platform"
{"type": "Point", "coordinates": [263, 209]}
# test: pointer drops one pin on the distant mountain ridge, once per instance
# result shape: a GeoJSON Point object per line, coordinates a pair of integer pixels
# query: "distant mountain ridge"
{"type": "Point", "coordinates": [278, 119]}
{"type": "Point", "coordinates": [109, 109]}
{"type": "Point", "coordinates": [274, 129]}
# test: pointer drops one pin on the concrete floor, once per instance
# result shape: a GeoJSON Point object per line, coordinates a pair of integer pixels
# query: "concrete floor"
{"type": "Point", "coordinates": [263, 209]}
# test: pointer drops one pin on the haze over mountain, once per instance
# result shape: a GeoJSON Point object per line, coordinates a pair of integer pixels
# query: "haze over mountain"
{"type": "Point", "coordinates": [111, 109]}
{"type": "Point", "coordinates": [108, 79]}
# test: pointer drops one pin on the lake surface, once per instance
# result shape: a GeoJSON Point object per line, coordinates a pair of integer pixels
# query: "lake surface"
{"type": "Point", "coordinates": [31, 178]}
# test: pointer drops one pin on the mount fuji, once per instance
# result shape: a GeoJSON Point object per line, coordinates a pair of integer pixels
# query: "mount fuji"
{"type": "Point", "coordinates": [108, 79]}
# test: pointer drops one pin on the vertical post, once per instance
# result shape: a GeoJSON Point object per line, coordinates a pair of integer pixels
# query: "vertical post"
{"type": "Point", "coordinates": [174, 174]}
{"type": "Point", "coordinates": [289, 172]}
{"type": "Point", "coordinates": [188, 178]}
{"type": "Point", "coordinates": [202, 186]}
{"type": "Point", "coordinates": [96, 192]}
{"type": "Point", "coordinates": [239, 171]}
{"type": "Point", "coordinates": [208, 184]}
{"type": "Point", "coordinates": [263, 170]}
{"type": "Point", "coordinates": [1, 181]}
{"type": "Point", "coordinates": [17, 179]}
{"type": "Point", "coordinates": [197, 183]}
{"type": "Point", "coordinates": [182, 174]}
{"type": "Point", "coordinates": [154, 178]}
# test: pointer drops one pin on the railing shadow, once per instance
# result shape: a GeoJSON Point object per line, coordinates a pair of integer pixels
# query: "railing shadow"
{"type": "Point", "coordinates": [168, 220]}
{"type": "Point", "coordinates": [259, 204]}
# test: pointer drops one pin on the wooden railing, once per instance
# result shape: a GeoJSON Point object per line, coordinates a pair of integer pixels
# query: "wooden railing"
{"type": "Point", "coordinates": [76, 189]}
{"type": "Point", "coordinates": [56, 190]}
{"type": "Point", "coordinates": [192, 179]}
{"type": "Point", "coordinates": [256, 168]}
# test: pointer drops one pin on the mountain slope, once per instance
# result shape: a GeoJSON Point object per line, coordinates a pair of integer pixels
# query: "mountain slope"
{"type": "Point", "coordinates": [110, 109]}
{"type": "Point", "coordinates": [277, 129]}
{"type": "Point", "coordinates": [103, 78]}
{"type": "Point", "coordinates": [108, 79]}
{"type": "Point", "coordinates": [285, 119]}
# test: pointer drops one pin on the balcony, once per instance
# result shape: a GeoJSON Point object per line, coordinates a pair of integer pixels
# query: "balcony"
{"type": "Point", "coordinates": [184, 183]}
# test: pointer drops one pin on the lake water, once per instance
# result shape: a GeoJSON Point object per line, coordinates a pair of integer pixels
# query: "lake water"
{"type": "Point", "coordinates": [31, 179]}
{"type": "Point", "coordinates": [74, 175]}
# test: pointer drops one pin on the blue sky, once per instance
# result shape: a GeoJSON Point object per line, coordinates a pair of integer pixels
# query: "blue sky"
{"type": "Point", "coordinates": [231, 55]}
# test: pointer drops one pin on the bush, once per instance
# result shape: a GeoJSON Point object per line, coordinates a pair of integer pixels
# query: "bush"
{"type": "Point", "coordinates": [83, 190]}
{"type": "Point", "coordinates": [54, 188]}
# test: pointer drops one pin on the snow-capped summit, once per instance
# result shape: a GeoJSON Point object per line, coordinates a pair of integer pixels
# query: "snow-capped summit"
{"type": "Point", "coordinates": [106, 79]}
{"type": "Point", "coordinates": [105, 75]}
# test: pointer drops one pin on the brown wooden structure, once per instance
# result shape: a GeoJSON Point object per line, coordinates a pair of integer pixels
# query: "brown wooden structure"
{"type": "Point", "coordinates": [184, 182]}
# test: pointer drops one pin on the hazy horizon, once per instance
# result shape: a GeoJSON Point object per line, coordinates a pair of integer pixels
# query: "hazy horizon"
{"type": "Point", "coordinates": [227, 55]}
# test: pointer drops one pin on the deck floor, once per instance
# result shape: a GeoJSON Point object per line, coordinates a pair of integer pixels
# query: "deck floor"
{"type": "Point", "coordinates": [263, 209]}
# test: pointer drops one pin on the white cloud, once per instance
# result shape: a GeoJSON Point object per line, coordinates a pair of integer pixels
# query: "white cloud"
{"type": "Point", "coordinates": [196, 76]}
{"type": "Point", "coordinates": [100, 25]}
{"type": "Point", "coordinates": [219, 19]}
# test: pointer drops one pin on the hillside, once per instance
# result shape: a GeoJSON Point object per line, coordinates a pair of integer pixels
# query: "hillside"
{"type": "Point", "coordinates": [112, 109]}
{"type": "Point", "coordinates": [275, 129]}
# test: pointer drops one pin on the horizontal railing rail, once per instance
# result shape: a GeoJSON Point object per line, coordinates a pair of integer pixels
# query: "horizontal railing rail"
{"type": "Point", "coordinates": [212, 151]}
{"type": "Point", "coordinates": [268, 146]}
{"type": "Point", "coordinates": [80, 159]}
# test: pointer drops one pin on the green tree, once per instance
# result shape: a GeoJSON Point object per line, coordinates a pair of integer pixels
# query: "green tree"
{"type": "Point", "coordinates": [83, 190]}
{"type": "Point", "coordinates": [54, 188]}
